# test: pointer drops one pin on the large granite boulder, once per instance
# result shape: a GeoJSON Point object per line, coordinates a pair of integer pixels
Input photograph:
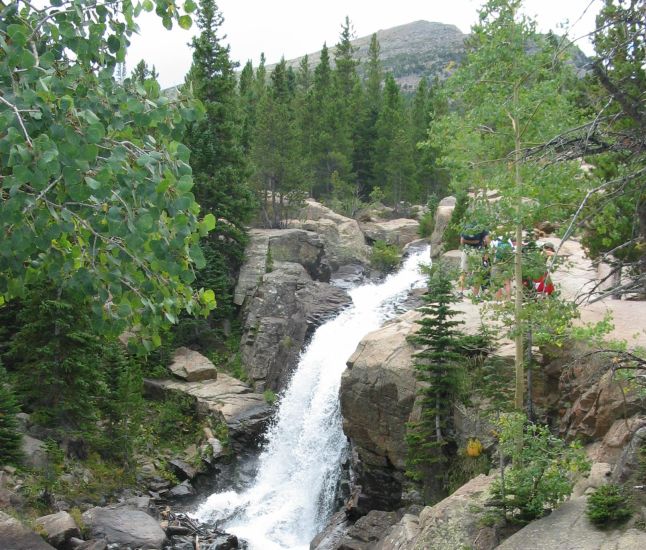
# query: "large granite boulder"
{"type": "Point", "coordinates": [125, 526]}
{"type": "Point", "coordinates": [15, 536]}
{"type": "Point", "coordinates": [192, 366]}
{"type": "Point", "coordinates": [568, 527]}
{"type": "Point", "coordinates": [58, 528]}
{"type": "Point", "coordinates": [398, 232]}
{"type": "Point", "coordinates": [267, 246]}
{"type": "Point", "coordinates": [380, 383]}
{"type": "Point", "coordinates": [227, 399]}
{"type": "Point", "coordinates": [442, 218]}
{"type": "Point", "coordinates": [343, 239]}
{"type": "Point", "coordinates": [286, 306]}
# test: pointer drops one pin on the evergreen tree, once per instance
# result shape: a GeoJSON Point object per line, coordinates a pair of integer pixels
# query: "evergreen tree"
{"type": "Point", "coordinates": [247, 95]}
{"type": "Point", "coordinates": [10, 438]}
{"type": "Point", "coordinates": [276, 152]}
{"type": "Point", "coordinates": [437, 366]}
{"type": "Point", "coordinates": [324, 158]}
{"type": "Point", "coordinates": [305, 117]}
{"type": "Point", "coordinates": [367, 111]}
{"type": "Point", "coordinates": [54, 357]}
{"type": "Point", "coordinates": [346, 86]}
{"type": "Point", "coordinates": [400, 168]}
{"type": "Point", "coordinates": [219, 165]}
{"type": "Point", "coordinates": [141, 72]}
{"type": "Point", "coordinates": [122, 404]}
{"type": "Point", "coordinates": [393, 153]}
{"type": "Point", "coordinates": [428, 104]}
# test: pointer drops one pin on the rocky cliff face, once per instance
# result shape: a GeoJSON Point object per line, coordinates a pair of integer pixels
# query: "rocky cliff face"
{"type": "Point", "coordinates": [284, 293]}
{"type": "Point", "coordinates": [377, 394]}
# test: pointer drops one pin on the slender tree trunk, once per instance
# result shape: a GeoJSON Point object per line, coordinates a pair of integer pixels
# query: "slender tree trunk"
{"type": "Point", "coordinates": [530, 405]}
{"type": "Point", "coordinates": [518, 263]}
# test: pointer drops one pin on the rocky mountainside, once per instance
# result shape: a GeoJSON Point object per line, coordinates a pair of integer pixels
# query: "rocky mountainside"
{"type": "Point", "coordinates": [415, 50]}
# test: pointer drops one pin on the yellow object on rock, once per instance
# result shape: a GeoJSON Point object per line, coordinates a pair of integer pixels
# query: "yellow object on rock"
{"type": "Point", "coordinates": [474, 448]}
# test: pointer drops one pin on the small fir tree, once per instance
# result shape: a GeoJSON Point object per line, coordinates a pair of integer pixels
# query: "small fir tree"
{"type": "Point", "coordinates": [9, 436]}
{"type": "Point", "coordinates": [437, 366]}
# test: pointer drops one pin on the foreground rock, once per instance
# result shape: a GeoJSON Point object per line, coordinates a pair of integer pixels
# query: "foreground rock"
{"type": "Point", "coordinates": [229, 400]}
{"type": "Point", "coordinates": [15, 536]}
{"type": "Point", "coordinates": [455, 522]}
{"type": "Point", "coordinates": [569, 527]}
{"type": "Point", "coordinates": [342, 237]}
{"type": "Point", "coordinates": [125, 526]}
{"type": "Point", "coordinates": [280, 315]}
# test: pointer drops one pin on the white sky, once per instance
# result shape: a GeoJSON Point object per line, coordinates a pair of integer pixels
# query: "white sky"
{"type": "Point", "coordinates": [295, 27]}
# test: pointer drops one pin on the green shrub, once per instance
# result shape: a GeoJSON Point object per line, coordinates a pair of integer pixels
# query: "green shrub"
{"type": "Point", "coordinates": [270, 396]}
{"type": "Point", "coordinates": [541, 474]}
{"type": "Point", "coordinates": [426, 224]}
{"type": "Point", "coordinates": [385, 257]}
{"type": "Point", "coordinates": [451, 237]}
{"type": "Point", "coordinates": [608, 506]}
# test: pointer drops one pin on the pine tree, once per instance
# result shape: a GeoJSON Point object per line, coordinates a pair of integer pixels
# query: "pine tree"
{"type": "Point", "coordinates": [10, 438]}
{"type": "Point", "coordinates": [247, 95]}
{"type": "Point", "coordinates": [276, 151]}
{"type": "Point", "coordinates": [366, 115]}
{"type": "Point", "coordinates": [324, 161]}
{"type": "Point", "coordinates": [123, 403]}
{"type": "Point", "coordinates": [219, 165]}
{"type": "Point", "coordinates": [436, 366]}
{"type": "Point", "coordinates": [392, 155]}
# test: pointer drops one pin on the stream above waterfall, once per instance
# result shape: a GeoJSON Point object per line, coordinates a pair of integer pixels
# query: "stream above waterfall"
{"type": "Point", "coordinates": [299, 469]}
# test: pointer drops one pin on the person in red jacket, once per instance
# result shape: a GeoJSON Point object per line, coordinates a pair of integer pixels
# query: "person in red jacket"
{"type": "Point", "coordinates": [544, 285]}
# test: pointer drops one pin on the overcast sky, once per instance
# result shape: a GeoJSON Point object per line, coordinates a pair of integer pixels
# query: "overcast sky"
{"type": "Point", "coordinates": [296, 27]}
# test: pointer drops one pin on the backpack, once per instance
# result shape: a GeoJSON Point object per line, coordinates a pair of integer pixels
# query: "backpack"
{"type": "Point", "coordinates": [474, 240]}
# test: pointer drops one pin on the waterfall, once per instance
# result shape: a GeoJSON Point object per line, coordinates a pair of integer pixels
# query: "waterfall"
{"type": "Point", "coordinates": [299, 469]}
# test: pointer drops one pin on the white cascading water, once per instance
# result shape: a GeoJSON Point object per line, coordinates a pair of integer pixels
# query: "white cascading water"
{"type": "Point", "coordinates": [293, 494]}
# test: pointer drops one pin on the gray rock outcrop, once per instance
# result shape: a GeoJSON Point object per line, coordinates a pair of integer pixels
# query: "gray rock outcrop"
{"type": "Point", "coordinates": [15, 536]}
{"type": "Point", "coordinates": [377, 394]}
{"type": "Point", "coordinates": [342, 237]}
{"type": "Point", "coordinates": [397, 232]}
{"type": "Point", "coordinates": [125, 526]}
{"type": "Point", "coordinates": [285, 307]}
{"type": "Point", "coordinates": [229, 400]}
{"type": "Point", "coordinates": [267, 246]}
{"type": "Point", "coordinates": [192, 366]}
{"type": "Point", "coordinates": [33, 452]}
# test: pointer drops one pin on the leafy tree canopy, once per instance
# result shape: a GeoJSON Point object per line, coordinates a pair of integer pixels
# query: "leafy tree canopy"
{"type": "Point", "coordinates": [95, 185]}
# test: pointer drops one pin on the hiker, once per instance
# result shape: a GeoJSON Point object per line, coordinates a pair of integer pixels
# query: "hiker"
{"type": "Point", "coordinates": [474, 257]}
{"type": "Point", "coordinates": [538, 282]}
{"type": "Point", "coordinates": [544, 285]}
